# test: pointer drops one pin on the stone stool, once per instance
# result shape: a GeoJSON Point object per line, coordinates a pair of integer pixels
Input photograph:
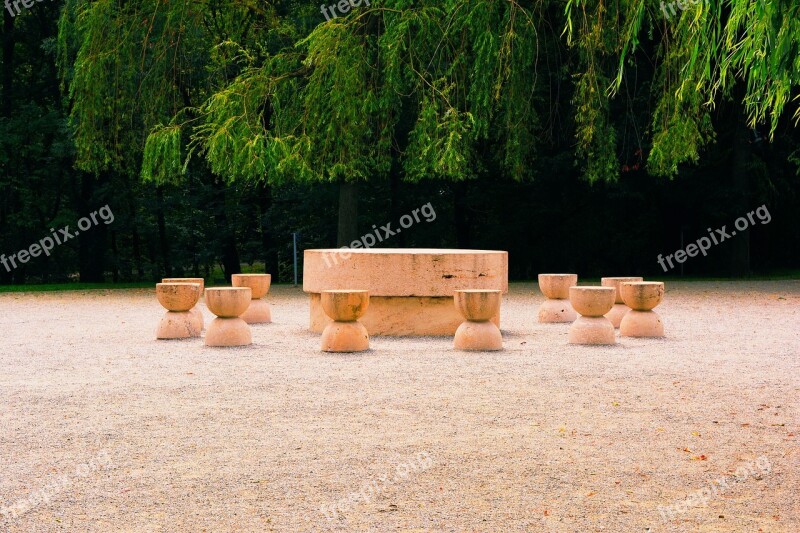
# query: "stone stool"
{"type": "Point", "coordinates": [641, 320]}
{"type": "Point", "coordinates": [557, 307]}
{"type": "Point", "coordinates": [592, 327]}
{"type": "Point", "coordinates": [177, 299]}
{"type": "Point", "coordinates": [345, 333]}
{"type": "Point", "coordinates": [228, 303]}
{"type": "Point", "coordinates": [258, 312]}
{"type": "Point", "coordinates": [619, 309]}
{"type": "Point", "coordinates": [197, 315]}
{"type": "Point", "coordinates": [478, 333]}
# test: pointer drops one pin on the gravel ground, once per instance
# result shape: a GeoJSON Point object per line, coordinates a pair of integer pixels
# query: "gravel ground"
{"type": "Point", "coordinates": [103, 428]}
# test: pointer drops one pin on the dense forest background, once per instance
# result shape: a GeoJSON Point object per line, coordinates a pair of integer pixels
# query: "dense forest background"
{"type": "Point", "coordinates": [99, 97]}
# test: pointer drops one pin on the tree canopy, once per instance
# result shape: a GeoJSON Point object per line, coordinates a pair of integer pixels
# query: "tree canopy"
{"type": "Point", "coordinates": [196, 116]}
{"type": "Point", "coordinates": [263, 93]}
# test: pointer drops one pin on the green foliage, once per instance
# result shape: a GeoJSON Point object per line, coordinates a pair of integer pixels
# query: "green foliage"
{"type": "Point", "coordinates": [161, 160]}
{"type": "Point", "coordinates": [702, 54]}
{"type": "Point", "coordinates": [246, 114]}
{"type": "Point", "coordinates": [352, 85]}
{"type": "Point", "coordinates": [595, 40]}
{"type": "Point", "coordinates": [762, 47]}
{"type": "Point", "coordinates": [422, 86]}
{"type": "Point", "coordinates": [440, 142]}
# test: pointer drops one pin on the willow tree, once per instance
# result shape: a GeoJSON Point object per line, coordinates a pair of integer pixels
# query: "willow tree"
{"type": "Point", "coordinates": [401, 89]}
{"type": "Point", "coordinates": [698, 56]}
{"type": "Point", "coordinates": [703, 53]}
{"type": "Point", "coordinates": [397, 88]}
{"type": "Point", "coordinates": [131, 68]}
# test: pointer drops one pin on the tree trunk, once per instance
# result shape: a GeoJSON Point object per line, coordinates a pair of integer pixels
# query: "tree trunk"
{"type": "Point", "coordinates": [348, 214]}
{"type": "Point", "coordinates": [231, 263]}
{"type": "Point", "coordinates": [740, 244]}
{"type": "Point", "coordinates": [394, 184]}
{"type": "Point", "coordinates": [230, 254]}
{"type": "Point", "coordinates": [19, 275]}
{"type": "Point", "coordinates": [115, 254]}
{"type": "Point", "coordinates": [461, 214]}
{"type": "Point", "coordinates": [9, 42]}
{"type": "Point", "coordinates": [267, 239]}
{"type": "Point", "coordinates": [92, 241]}
{"type": "Point", "coordinates": [137, 253]}
{"type": "Point", "coordinates": [7, 277]}
{"type": "Point", "coordinates": [162, 233]}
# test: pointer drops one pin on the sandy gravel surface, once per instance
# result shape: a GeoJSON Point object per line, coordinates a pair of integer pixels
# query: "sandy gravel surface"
{"type": "Point", "coordinates": [104, 429]}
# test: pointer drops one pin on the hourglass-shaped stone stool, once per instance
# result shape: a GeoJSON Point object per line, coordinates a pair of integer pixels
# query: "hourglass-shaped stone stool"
{"type": "Point", "coordinates": [641, 320]}
{"type": "Point", "coordinates": [177, 299]}
{"type": "Point", "coordinates": [619, 309]}
{"type": "Point", "coordinates": [228, 329]}
{"type": "Point", "coordinates": [557, 308]}
{"type": "Point", "coordinates": [478, 333]}
{"type": "Point", "coordinates": [197, 315]}
{"type": "Point", "coordinates": [258, 312]}
{"type": "Point", "coordinates": [592, 327]}
{"type": "Point", "coordinates": [345, 333]}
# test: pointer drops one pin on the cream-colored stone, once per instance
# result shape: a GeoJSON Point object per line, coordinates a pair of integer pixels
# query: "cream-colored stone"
{"type": "Point", "coordinates": [615, 282]}
{"type": "Point", "coordinates": [478, 337]}
{"type": "Point", "coordinates": [345, 337]}
{"type": "Point", "coordinates": [642, 295]}
{"type": "Point", "coordinates": [478, 305]}
{"type": "Point", "coordinates": [478, 333]}
{"type": "Point", "coordinates": [616, 314]}
{"type": "Point", "coordinates": [641, 321]}
{"type": "Point", "coordinates": [199, 281]}
{"type": "Point", "coordinates": [592, 327]}
{"type": "Point", "coordinates": [177, 325]}
{"type": "Point", "coordinates": [179, 322]}
{"type": "Point", "coordinates": [411, 290]}
{"type": "Point", "coordinates": [258, 283]}
{"type": "Point", "coordinates": [177, 296]}
{"type": "Point", "coordinates": [406, 271]}
{"type": "Point", "coordinates": [641, 324]}
{"type": "Point", "coordinates": [345, 333]}
{"type": "Point", "coordinates": [345, 305]}
{"type": "Point", "coordinates": [228, 302]}
{"type": "Point", "coordinates": [228, 332]}
{"type": "Point", "coordinates": [556, 311]}
{"type": "Point", "coordinates": [592, 330]}
{"type": "Point", "coordinates": [401, 316]}
{"type": "Point", "coordinates": [197, 316]}
{"type": "Point", "coordinates": [259, 312]}
{"type": "Point", "coordinates": [619, 309]}
{"type": "Point", "coordinates": [592, 301]}
{"type": "Point", "coordinates": [556, 286]}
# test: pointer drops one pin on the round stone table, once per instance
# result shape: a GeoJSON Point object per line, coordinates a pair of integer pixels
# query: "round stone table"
{"type": "Point", "coordinates": [410, 289]}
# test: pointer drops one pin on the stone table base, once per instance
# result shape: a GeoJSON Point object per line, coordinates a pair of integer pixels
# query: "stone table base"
{"type": "Point", "coordinates": [401, 316]}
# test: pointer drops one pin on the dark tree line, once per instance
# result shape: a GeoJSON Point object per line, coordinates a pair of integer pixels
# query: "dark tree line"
{"type": "Point", "coordinates": [535, 169]}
